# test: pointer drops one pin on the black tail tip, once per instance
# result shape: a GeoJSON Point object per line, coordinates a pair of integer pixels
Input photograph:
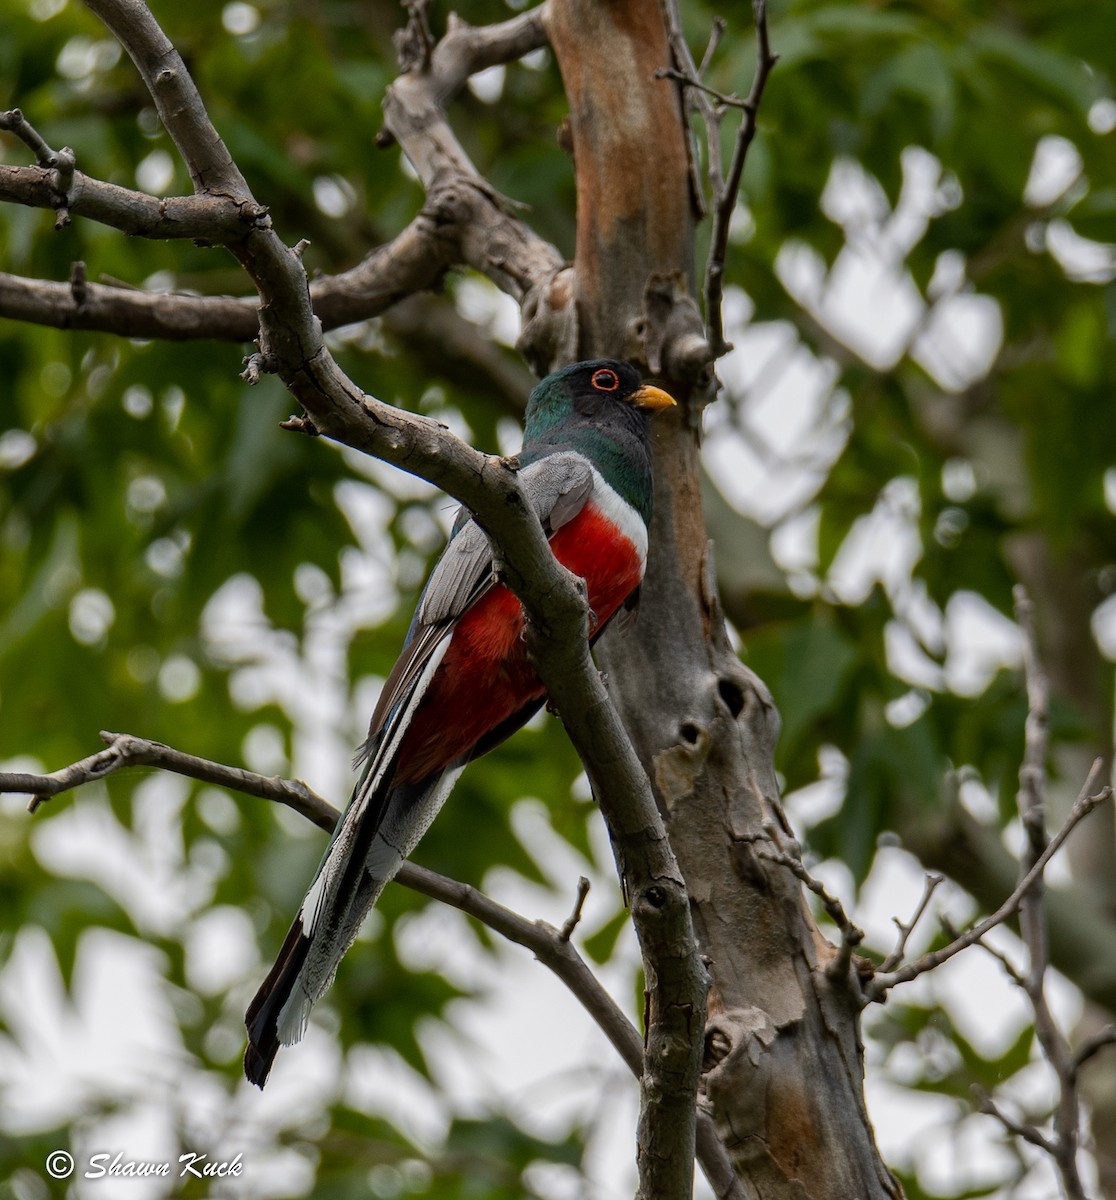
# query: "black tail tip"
{"type": "Point", "coordinates": [262, 1017]}
{"type": "Point", "coordinates": [257, 1064]}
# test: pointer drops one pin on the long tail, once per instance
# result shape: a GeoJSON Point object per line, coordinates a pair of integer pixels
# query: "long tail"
{"type": "Point", "coordinates": [381, 826]}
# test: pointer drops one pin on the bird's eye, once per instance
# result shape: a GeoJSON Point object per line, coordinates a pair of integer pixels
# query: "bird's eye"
{"type": "Point", "coordinates": [605, 381]}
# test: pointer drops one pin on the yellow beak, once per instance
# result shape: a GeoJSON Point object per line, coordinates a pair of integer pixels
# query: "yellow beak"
{"type": "Point", "coordinates": [652, 397]}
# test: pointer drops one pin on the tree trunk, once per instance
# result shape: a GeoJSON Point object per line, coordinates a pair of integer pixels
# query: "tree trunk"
{"type": "Point", "coordinates": [784, 1063]}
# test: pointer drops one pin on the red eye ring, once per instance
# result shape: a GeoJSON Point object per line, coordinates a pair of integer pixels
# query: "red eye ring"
{"type": "Point", "coordinates": [605, 380]}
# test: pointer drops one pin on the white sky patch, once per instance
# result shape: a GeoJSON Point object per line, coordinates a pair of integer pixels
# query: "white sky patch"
{"type": "Point", "coordinates": [43, 10]}
{"type": "Point", "coordinates": [769, 451]}
{"type": "Point", "coordinates": [1104, 627]}
{"type": "Point", "coordinates": [92, 613]}
{"type": "Point", "coordinates": [264, 749]}
{"type": "Point", "coordinates": [794, 542]}
{"type": "Point", "coordinates": [981, 641]}
{"type": "Point", "coordinates": [379, 1081]}
{"type": "Point", "coordinates": [959, 340]}
{"type": "Point", "coordinates": [17, 446]}
{"type": "Point", "coordinates": [333, 195]}
{"type": "Point", "coordinates": [488, 85]}
{"type": "Point", "coordinates": [220, 950]}
{"type": "Point", "coordinates": [1102, 115]}
{"type": "Point", "coordinates": [81, 57]}
{"type": "Point", "coordinates": [240, 19]}
{"type": "Point", "coordinates": [442, 939]}
{"type": "Point", "coordinates": [62, 1055]}
{"type": "Point", "coordinates": [482, 302]}
{"type": "Point", "coordinates": [907, 659]}
{"type": "Point", "coordinates": [1056, 166]}
{"type": "Point", "coordinates": [509, 436]}
{"type": "Point", "coordinates": [155, 173]}
{"type": "Point", "coordinates": [146, 494]}
{"type": "Point", "coordinates": [179, 679]}
{"type": "Point", "coordinates": [1083, 260]}
{"type": "Point", "coordinates": [144, 869]}
{"type": "Point", "coordinates": [883, 546]}
{"type": "Point", "coordinates": [865, 300]}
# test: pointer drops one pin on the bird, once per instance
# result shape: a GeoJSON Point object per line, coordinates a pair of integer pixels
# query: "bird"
{"type": "Point", "coordinates": [464, 681]}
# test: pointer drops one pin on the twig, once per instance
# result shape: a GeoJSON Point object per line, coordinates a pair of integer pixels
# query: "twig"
{"type": "Point", "coordinates": [1020, 1129]}
{"type": "Point", "coordinates": [1085, 803]}
{"type": "Point", "coordinates": [126, 750]}
{"type": "Point", "coordinates": [1093, 1045]}
{"type": "Point", "coordinates": [725, 190]}
{"type": "Point", "coordinates": [724, 99]}
{"type": "Point", "coordinates": [711, 105]}
{"type": "Point", "coordinates": [571, 922]}
{"type": "Point", "coordinates": [13, 121]}
{"type": "Point", "coordinates": [851, 934]}
{"type": "Point", "coordinates": [930, 886]}
{"type": "Point", "coordinates": [61, 163]}
{"type": "Point", "coordinates": [1010, 969]}
{"type": "Point", "coordinates": [552, 947]}
{"type": "Point", "coordinates": [1031, 800]}
{"type": "Point", "coordinates": [1031, 803]}
{"type": "Point", "coordinates": [715, 34]}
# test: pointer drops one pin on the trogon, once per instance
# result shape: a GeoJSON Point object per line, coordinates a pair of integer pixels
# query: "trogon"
{"type": "Point", "coordinates": [464, 681]}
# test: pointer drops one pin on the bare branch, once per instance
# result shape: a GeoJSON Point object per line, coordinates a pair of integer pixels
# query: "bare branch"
{"type": "Point", "coordinates": [711, 105]}
{"type": "Point", "coordinates": [492, 241]}
{"type": "Point", "coordinates": [60, 163]}
{"type": "Point", "coordinates": [1085, 803]}
{"type": "Point", "coordinates": [176, 98]}
{"type": "Point", "coordinates": [126, 750]}
{"type": "Point", "coordinates": [695, 99]}
{"type": "Point", "coordinates": [1029, 1133]}
{"type": "Point", "coordinates": [725, 196]}
{"type": "Point", "coordinates": [1031, 803]}
{"type": "Point", "coordinates": [464, 219]}
{"type": "Point", "coordinates": [1094, 1045]}
{"type": "Point", "coordinates": [723, 99]}
{"type": "Point", "coordinates": [204, 217]}
{"type": "Point", "coordinates": [572, 921]}
{"type": "Point", "coordinates": [851, 934]}
{"type": "Point", "coordinates": [1031, 799]}
{"type": "Point", "coordinates": [13, 121]}
{"type": "Point", "coordinates": [930, 886]}
{"type": "Point", "coordinates": [715, 34]}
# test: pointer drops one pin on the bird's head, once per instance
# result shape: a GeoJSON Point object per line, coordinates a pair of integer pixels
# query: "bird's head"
{"type": "Point", "coordinates": [595, 393]}
{"type": "Point", "coordinates": [599, 410]}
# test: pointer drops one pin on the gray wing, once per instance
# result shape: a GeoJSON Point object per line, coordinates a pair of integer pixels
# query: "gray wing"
{"type": "Point", "coordinates": [557, 488]}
